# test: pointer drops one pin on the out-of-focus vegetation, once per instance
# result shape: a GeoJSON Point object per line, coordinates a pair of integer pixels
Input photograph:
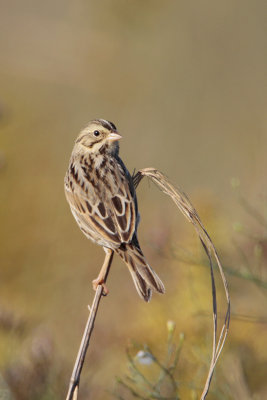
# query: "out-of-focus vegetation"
{"type": "Point", "coordinates": [184, 83]}
{"type": "Point", "coordinates": [148, 376]}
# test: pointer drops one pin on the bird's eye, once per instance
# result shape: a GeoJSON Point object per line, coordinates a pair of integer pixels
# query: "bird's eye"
{"type": "Point", "coordinates": [96, 133]}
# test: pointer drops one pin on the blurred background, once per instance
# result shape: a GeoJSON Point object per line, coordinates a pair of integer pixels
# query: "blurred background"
{"type": "Point", "coordinates": [185, 83]}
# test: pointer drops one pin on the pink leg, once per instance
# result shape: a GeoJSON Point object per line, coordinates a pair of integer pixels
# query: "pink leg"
{"type": "Point", "coordinates": [101, 279]}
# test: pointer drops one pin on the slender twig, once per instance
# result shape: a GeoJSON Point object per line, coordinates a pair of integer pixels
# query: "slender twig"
{"type": "Point", "coordinates": [134, 367]}
{"type": "Point", "coordinates": [253, 211]}
{"type": "Point", "coordinates": [132, 391]}
{"type": "Point", "coordinates": [76, 373]}
{"type": "Point", "coordinates": [166, 371]}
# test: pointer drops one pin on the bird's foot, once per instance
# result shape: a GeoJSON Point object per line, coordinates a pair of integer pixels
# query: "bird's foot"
{"type": "Point", "coordinates": [99, 281]}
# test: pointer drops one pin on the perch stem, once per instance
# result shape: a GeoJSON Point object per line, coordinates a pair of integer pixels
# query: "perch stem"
{"type": "Point", "coordinates": [76, 373]}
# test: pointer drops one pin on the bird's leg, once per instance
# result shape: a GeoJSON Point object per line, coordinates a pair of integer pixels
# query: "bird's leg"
{"type": "Point", "coordinates": [101, 279]}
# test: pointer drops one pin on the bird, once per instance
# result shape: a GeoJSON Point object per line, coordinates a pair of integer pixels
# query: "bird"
{"type": "Point", "coordinates": [102, 198]}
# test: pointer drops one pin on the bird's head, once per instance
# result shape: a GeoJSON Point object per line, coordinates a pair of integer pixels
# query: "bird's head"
{"type": "Point", "coordinates": [98, 134]}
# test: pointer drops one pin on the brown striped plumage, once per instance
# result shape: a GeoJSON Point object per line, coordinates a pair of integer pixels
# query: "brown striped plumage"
{"type": "Point", "coordinates": [101, 195]}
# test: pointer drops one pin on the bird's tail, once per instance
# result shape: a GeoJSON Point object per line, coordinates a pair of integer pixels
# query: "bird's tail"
{"type": "Point", "coordinates": [145, 279]}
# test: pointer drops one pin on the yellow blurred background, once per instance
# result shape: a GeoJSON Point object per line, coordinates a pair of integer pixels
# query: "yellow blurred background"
{"type": "Point", "coordinates": [185, 84]}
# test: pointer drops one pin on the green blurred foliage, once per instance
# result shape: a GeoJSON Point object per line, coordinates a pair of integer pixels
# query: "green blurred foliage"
{"type": "Point", "coordinates": [149, 377]}
{"type": "Point", "coordinates": [184, 83]}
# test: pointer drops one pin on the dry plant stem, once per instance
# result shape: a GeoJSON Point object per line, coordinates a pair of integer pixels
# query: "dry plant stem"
{"type": "Point", "coordinates": [76, 373]}
{"type": "Point", "coordinates": [185, 206]}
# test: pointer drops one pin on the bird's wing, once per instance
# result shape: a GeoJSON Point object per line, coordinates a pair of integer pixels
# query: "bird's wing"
{"type": "Point", "coordinates": [104, 205]}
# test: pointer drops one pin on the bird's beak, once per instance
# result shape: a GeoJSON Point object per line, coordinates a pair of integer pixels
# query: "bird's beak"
{"type": "Point", "coordinates": [114, 136]}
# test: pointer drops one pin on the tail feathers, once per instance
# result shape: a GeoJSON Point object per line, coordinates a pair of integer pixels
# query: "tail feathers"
{"type": "Point", "coordinates": [143, 275]}
{"type": "Point", "coordinates": [141, 286]}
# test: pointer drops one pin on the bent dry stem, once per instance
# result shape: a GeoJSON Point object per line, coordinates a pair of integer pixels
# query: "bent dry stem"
{"type": "Point", "coordinates": [183, 203]}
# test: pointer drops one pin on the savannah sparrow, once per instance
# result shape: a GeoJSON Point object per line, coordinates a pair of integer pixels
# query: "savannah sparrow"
{"type": "Point", "coordinates": [102, 198]}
